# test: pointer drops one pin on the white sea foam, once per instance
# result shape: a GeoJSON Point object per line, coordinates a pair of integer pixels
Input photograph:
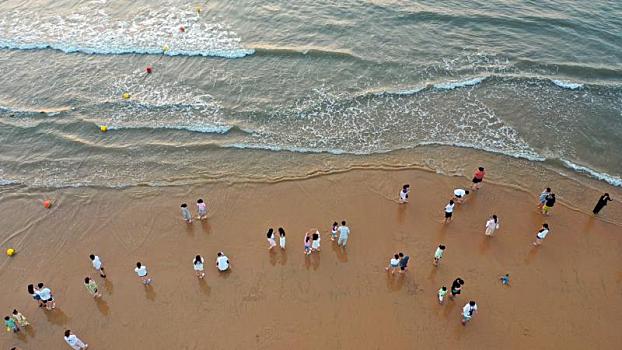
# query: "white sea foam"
{"type": "Point", "coordinates": [458, 84]}
{"type": "Point", "coordinates": [401, 92]}
{"type": "Point", "coordinates": [610, 179]}
{"type": "Point", "coordinates": [567, 84]}
{"type": "Point", "coordinates": [90, 29]}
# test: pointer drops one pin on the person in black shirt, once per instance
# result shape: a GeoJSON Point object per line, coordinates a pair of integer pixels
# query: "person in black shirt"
{"type": "Point", "coordinates": [602, 202]}
{"type": "Point", "coordinates": [548, 204]}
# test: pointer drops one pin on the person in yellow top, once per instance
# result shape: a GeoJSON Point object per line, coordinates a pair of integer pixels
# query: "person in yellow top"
{"type": "Point", "coordinates": [91, 286]}
{"type": "Point", "coordinates": [20, 319]}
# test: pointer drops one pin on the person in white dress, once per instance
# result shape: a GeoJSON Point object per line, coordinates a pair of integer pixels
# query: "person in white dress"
{"type": "Point", "coordinates": [197, 264]}
{"type": "Point", "coordinates": [492, 225]}
{"type": "Point", "coordinates": [74, 341]}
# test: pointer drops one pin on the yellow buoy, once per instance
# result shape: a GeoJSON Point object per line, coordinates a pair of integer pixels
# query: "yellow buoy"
{"type": "Point", "coordinates": [10, 252]}
{"type": "Point", "coordinates": [126, 95]}
{"type": "Point", "coordinates": [165, 48]}
{"type": "Point", "coordinates": [103, 128]}
{"type": "Point", "coordinates": [199, 10]}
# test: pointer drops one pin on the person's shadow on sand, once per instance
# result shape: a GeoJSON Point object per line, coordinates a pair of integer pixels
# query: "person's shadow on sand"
{"type": "Point", "coordinates": [205, 288]}
{"type": "Point", "coordinates": [315, 260]}
{"type": "Point", "coordinates": [484, 245]}
{"type": "Point", "coordinates": [533, 252]}
{"type": "Point", "coordinates": [108, 286]}
{"type": "Point", "coordinates": [56, 316]}
{"type": "Point", "coordinates": [341, 253]}
{"type": "Point", "coordinates": [273, 256]}
{"type": "Point", "coordinates": [102, 306]}
{"type": "Point", "coordinates": [401, 212]}
{"type": "Point", "coordinates": [283, 259]}
{"type": "Point", "coordinates": [150, 293]}
{"type": "Point", "coordinates": [395, 282]}
{"type": "Point", "coordinates": [205, 226]}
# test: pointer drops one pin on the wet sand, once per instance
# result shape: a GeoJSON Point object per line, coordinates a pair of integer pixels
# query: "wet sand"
{"type": "Point", "coordinates": [564, 294]}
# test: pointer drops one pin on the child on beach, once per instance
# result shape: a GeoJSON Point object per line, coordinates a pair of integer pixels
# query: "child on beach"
{"type": "Point", "coordinates": [333, 231]}
{"type": "Point", "coordinates": [460, 195]}
{"type": "Point", "coordinates": [97, 265]}
{"type": "Point", "coordinates": [438, 254]}
{"type": "Point", "coordinates": [548, 204]}
{"type": "Point", "coordinates": [505, 279]}
{"type": "Point", "coordinates": [197, 264]}
{"type": "Point", "coordinates": [394, 263]}
{"type": "Point", "coordinates": [46, 296]}
{"type": "Point", "coordinates": [542, 198]}
{"type": "Point", "coordinates": [404, 193]}
{"type": "Point", "coordinates": [34, 294]}
{"type": "Point", "coordinates": [441, 294]}
{"type": "Point", "coordinates": [10, 325]}
{"type": "Point", "coordinates": [449, 209]}
{"type": "Point", "coordinates": [456, 287]}
{"type": "Point", "coordinates": [478, 177]}
{"type": "Point", "coordinates": [541, 235]}
{"type": "Point", "coordinates": [491, 225]}
{"type": "Point", "coordinates": [281, 238]}
{"type": "Point", "coordinates": [403, 262]}
{"type": "Point", "coordinates": [141, 271]}
{"type": "Point", "coordinates": [91, 286]}
{"type": "Point", "coordinates": [21, 320]}
{"type": "Point", "coordinates": [308, 243]}
{"type": "Point", "coordinates": [185, 213]}
{"type": "Point", "coordinates": [271, 241]}
{"type": "Point", "coordinates": [315, 243]}
{"type": "Point", "coordinates": [201, 209]}
{"type": "Point", "coordinates": [74, 341]}
{"type": "Point", "coordinates": [222, 262]}
{"type": "Point", "coordinates": [344, 233]}
{"type": "Point", "coordinates": [468, 311]}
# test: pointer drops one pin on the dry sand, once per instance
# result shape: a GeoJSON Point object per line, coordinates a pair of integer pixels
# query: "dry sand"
{"type": "Point", "coordinates": [564, 294]}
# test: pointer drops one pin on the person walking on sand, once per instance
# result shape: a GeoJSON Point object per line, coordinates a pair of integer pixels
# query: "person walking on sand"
{"type": "Point", "coordinates": [394, 263]}
{"type": "Point", "coordinates": [46, 296]}
{"type": "Point", "coordinates": [222, 262]}
{"type": "Point", "coordinates": [478, 177]}
{"type": "Point", "coordinates": [541, 235]}
{"type": "Point", "coordinates": [315, 241]}
{"type": "Point", "coordinates": [438, 254]}
{"type": "Point", "coordinates": [602, 202]}
{"type": "Point", "coordinates": [185, 213]}
{"type": "Point", "coordinates": [449, 210]}
{"type": "Point", "coordinates": [404, 193]}
{"type": "Point", "coordinates": [10, 325]}
{"type": "Point", "coordinates": [542, 198]}
{"type": "Point", "coordinates": [308, 242]}
{"type": "Point", "coordinates": [281, 238]}
{"type": "Point", "coordinates": [505, 279]}
{"type": "Point", "coordinates": [460, 195]}
{"type": "Point", "coordinates": [35, 294]}
{"type": "Point", "coordinates": [21, 320]}
{"type": "Point", "coordinates": [270, 236]}
{"type": "Point", "coordinates": [468, 311]}
{"type": "Point", "coordinates": [441, 294]}
{"type": "Point", "coordinates": [333, 231]}
{"type": "Point", "coordinates": [197, 264]}
{"type": "Point", "coordinates": [456, 287]}
{"type": "Point", "coordinates": [141, 271]}
{"type": "Point", "coordinates": [97, 265]}
{"type": "Point", "coordinates": [548, 204]}
{"type": "Point", "coordinates": [344, 233]}
{"type": "Point", "coordinates": [91, 286]}
{"type": "Point", "coordinates": [403, 262]}
{"type": "Point", "coordinates": [74, 341]}
{"type": "Point", "coordinates": [491, 225]}
{"type": "Point", "coordinates": [201, 209]}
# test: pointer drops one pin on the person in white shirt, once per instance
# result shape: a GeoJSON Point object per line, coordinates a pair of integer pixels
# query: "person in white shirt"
{"type": "Point", "coordinates": [460, 195]}
{"type": "Point", "coordinates": [492, 225]}
{"type": "Point", "coordinates": [45, 295]}
{"type": "Point", "coordinates": [541, 235]}
{"type": "Point", "coordinates": [449, 209]}
{"type": "Point", "coordinates": [197, 264]}
{"type": "Point", "coordinates": [468, 311]}
{"type": "Point", "coordinates": [97, 265]}
{"type": "Point", "coordinates": [141, 271]}
{"type": "Point", "coordinates": [222, 262]}
{"type": "Point", "coordinates": [270, 237]}
{"type": "Point", "coordinates": [404, 193]}
{"type": "Point", "coordinates": [281, 238]}
{"type": "Point", "coordinates": [394, 264]}
{"type": "Point", "coordinates": [344, 234]}
{"type": "Point", "coordinates": [74, 341]}
{"type": "Point", "coordinates": [315, 241]}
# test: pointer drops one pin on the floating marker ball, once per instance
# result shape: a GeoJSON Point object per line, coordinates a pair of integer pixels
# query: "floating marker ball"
{"type": "Point", "coordinates": [10, 252]}
{"type": "Point", "coordinates": [182, 29]}
{"type": "Point", "coordinates": [47, 204]}
{"type": "Point", "coordinates": [165, 48]}
{"type": "Point", "coordinates": [126, 95]}
{"type": "Point", "coordinates": [199, 10]}
{"type": "Point", "coordinates": [148, 69]}
{"type": "Point", "coordinates": [103, 128]}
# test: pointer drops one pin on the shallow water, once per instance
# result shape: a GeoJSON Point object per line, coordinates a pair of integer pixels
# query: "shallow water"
{"type": "Point", "coordinates": [534, 80]}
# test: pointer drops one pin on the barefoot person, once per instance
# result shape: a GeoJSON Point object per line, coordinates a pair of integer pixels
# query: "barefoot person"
{"type": "Point", "coordinates": [185, 213]}
{"type": "Point", "coordinates": [46, 296]}
{"type": "Point", "coordinates": [549, 202]}
{"type": "Point", "coordinates": [403, 262]}
{"type": "Point", "coordinates": [333, 231]}
{"type": "Point", "coordinates": [315, 241]}
{"type": "Point", "coordinates": [141, 271]}
{"type": "Point", "coordinates": [542, 198]}
{"type": "Point", "coordinates": [201, 209]}
{"type": "Point", "coordinates": [281, 238]}
{"type": "Point", "coordinates": [602, 202]}
{"type": "Point", "coordinates": [456, 287]}
{"type": "Point", "coordinates": [404, 193]}
{"type": "Point", "coordinates": [468, 311]}
{"type": "Point", "coordinates": [97, 265]}
{"type": "Point", "coordinates": [222, 262]}
{"type": "Point", "coordinates": [21, 320]}
{"type": "Point", "coordinates": [91, 287]}
{"type": "Point", "coordinates": [271, 241]}
{"type": "Point", "coordinates": [197, 265]}
{"type": "Point", "coordinates": [308, 242]}
{"type": "Point", "coordinates": [74, 341]}
{"type": "Point", "coordinates": [541, 235]}
{"type": "Point", "coordinates": [344, 233]}
{"type": "Point", "coordinates": [34, 294]}
{"type": "Point", "coordinates": [438, 255]}
{"type": "Point", "coordinates": [10, 325]}
{"type": "Point", "coordinates": [449, 210]}
{"type": "Point", "coordinates": [394, 263]}
{"type": "Point", "coordinates": [491, 225]}
{"type": "Point", "coordinates": [460, 195]}
{"type": "Point", "coordinates": [441, 294]}
{"type": "Point", "coordinates": [478, 177]}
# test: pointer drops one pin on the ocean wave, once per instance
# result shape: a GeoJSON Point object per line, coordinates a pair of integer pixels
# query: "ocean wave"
{"type": "Point", "coordinates": [91, 30]}
{"type": "Point", "coordinates": [207, 129]}
{"type": "Point", "coordinates": [5, 182]}
{"type": "Point", "coordinates": [450, 85]}
{"type": "Point", "coordinates": [302, 51]}
{"type": "Point", "coordinates": [610, 179]}
{"type": "Point", "coordinates": [567, 84]}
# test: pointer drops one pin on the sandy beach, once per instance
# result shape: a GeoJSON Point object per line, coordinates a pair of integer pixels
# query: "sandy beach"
{"type": "Point", "coordinates": [563, 294]}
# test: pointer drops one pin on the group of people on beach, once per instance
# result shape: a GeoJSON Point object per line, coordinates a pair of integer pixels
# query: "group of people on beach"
{"type": "Point", "coordinates": [312, 238]}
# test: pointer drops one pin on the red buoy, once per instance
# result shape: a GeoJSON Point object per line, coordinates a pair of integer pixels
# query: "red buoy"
{"type": "Point", "coordinates": [182, 29]}
{"type": "Point", "coordinates": [149, 69]}
{"type": "Point", "coordinates": [47, 204]}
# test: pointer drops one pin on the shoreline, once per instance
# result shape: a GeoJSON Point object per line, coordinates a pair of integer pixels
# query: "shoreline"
{"type": "Point", "coordinates": [282, 300]}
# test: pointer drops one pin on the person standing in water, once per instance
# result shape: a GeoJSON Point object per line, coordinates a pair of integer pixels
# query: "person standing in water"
{"type": "Point", "coordinates": [478, 177]}
{"type": "Point", "coordinates": [602, 202]}
{"type": "Point", "coordinates": [197, 264]}
{"type": "Point", "coordinates": [542, 198]}
{"type": "Point", "coordinates": [404, 193]}
{"type": "Point", "coordinates": [548, 204]}
{"type": "Point", "coordinates": [492, 225]}
{"type": "Point", "coordinates": [185, 213]}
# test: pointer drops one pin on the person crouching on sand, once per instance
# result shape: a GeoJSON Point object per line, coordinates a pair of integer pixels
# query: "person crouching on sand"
{"type": "Point", "coordinates": [491, 225]}
{"type": "Point", "coordinates": [541, 235]}
{"type": "Point", "coordinates": [394, 263]}
{"type": "Point", "coordinates": [197, 264]}
{"type": "Point", "coordinates": [404, 193]}
{"type": "Point", "coordinates": [222, 262]}
{"type": "Point", "coordinates": [74, 341]}
{"type": "Point", "coordinates": [271, 241]}
{"type": "Point", "coordinates": [460, 195]}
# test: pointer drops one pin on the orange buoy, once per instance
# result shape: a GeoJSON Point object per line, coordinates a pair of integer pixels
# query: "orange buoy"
{"type": "Point", "coordinates": [47, 204]}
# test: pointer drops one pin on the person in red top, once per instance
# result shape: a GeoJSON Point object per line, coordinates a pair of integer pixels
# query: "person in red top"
{"type": "Point", "coordinates": [478, 177]}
